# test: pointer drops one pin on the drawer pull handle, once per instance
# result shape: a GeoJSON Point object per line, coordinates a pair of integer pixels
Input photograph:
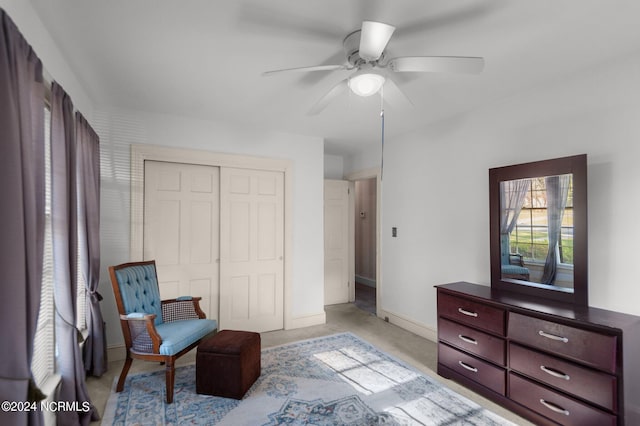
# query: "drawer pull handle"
{"type": "Point", "coordinates": [553, 336]}
{"type": "Point", "coordinates": [467, 339]}
{"type": "Point", "coordinates": [468, 367]}
{"type": "Point", "coordinates": [467, 313]}
{"type": "Point", "coordinates": [554, 407]}
{"type": "Point", "coordinates": [555, 373]}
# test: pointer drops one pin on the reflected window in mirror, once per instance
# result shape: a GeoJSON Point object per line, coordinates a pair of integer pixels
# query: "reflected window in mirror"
{"type": "Point", "coordinates": [536, 229]}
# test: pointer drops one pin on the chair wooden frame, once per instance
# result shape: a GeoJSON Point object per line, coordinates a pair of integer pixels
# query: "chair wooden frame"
{"type": "Point", "coordinates": [148, 321]}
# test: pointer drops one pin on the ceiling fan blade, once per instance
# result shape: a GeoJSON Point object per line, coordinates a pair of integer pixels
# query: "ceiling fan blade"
{"type": "Point", "coordinates": [308, 69]}
{"type": "Point", "coordinates": [395, 97]}
{"type": "Point", "coordinates": [374, 37]}
{"type": "Point", "coordinates": [458, 15]}
{"type": "Point", "coordinates": [322, 103]}
{"type": "Point", "coordinates": [456, 64]}
{"type": "Point", "coordinates": [268, 21]}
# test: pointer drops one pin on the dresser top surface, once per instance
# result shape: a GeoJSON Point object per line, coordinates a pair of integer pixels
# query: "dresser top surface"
{"type": "Point", "coordinates": [582, 314]}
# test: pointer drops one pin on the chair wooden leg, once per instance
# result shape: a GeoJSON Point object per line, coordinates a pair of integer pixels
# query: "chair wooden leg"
{"type": "Point", "coordinates": [170, 376]}
{"type": "Point", "coordinates": [123, 375]}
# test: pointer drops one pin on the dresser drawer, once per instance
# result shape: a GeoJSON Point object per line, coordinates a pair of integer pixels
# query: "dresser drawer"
{"type": "Point", "coordinates": [556, 406]}
{"type": "Point", "coordinates": [484, 345]}
{"type": "Point", "coordinates": [479, 371]}
{"type": "Point", "coordinates": [588, 347]}
{"type": "Point", "coordinates": [593, 386]}
{"type": "Point", "coordinates": [468, 312]}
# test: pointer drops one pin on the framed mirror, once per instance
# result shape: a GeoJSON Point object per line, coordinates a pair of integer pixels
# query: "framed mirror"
{"type": "Point", "coordinates": [538, 226]}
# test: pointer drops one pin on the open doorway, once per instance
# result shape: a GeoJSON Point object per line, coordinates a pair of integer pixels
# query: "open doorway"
{"type": "Point", "coordinates": [365, 224]}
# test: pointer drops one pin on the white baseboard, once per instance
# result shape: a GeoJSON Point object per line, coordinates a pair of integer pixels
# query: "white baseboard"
{"type": "Point", "coordinates": [410, 325]}
{"type": "Point", "coordinates": [306, 321]}
{"type": "Point", "coordinates": [116, 353]}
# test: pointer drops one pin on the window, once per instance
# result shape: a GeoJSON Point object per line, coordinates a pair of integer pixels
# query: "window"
{"type": "Point", "coordinates": [44, 353]}
{"type": "Point", "coordinates": [43, 361]}
{"type": "Point", "coordinates": [530, 237]}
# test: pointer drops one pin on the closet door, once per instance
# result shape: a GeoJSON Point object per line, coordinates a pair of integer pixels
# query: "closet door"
{"type": "Point", "coordinates": [181, 230]}
{"type": "Point", "coordinates": [251, 249]}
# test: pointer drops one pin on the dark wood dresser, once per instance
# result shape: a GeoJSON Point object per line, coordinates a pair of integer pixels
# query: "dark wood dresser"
{"type": "Point", "coordinates": [547, 361]}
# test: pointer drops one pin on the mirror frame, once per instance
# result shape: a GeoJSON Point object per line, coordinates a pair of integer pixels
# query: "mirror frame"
{"type": "Point", "coordinates": [577, 165]}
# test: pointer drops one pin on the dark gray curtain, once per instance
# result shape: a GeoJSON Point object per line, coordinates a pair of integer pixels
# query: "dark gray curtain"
{"type": "Point", "coordinates": [65, 249]}
{"type": "Point", "coordinates": [22, 215]}
{"type": "Point", "coordinates": [87, 141]}
{"type": "Point", "coordinates": [557, 193]}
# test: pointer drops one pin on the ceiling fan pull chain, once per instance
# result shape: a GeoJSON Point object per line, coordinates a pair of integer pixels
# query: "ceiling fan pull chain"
{"type": "Point", "coordinates": [382, 132]}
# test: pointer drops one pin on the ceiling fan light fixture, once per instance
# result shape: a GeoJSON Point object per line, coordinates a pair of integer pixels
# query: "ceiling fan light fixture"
{"type": "Point", "coordinates": [366, 84]}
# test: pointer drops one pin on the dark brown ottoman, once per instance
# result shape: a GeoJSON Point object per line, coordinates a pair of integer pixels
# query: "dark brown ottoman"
{"type": "Point", "coordinates": [228, 363]}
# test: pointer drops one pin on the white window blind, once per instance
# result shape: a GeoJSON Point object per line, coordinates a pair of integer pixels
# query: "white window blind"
{"type": "Point", "coordinates": [43, 361]}
{"type": "Point", "coordinates": [81, 299]}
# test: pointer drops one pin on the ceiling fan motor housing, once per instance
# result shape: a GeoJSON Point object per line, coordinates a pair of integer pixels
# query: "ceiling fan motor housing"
{"type": "Point", "coordinates": [351, 44]}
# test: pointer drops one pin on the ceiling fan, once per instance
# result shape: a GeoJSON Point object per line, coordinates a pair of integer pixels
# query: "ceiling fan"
{"type": "Point", "coordinates": [365, 53]}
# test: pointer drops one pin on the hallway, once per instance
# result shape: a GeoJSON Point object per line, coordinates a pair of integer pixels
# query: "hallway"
{"type": "Point", "coordinates": [366, 298]}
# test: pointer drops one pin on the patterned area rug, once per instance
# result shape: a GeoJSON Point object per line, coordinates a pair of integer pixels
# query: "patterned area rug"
{"type": "Point", "coordinates": [333, 380]}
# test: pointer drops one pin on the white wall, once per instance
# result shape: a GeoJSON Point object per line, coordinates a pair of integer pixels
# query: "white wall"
{"type": "Point", "coordinates": [367, 159]}
{"type": "Point", "coordinates": [333, 167]}
{"type": "Point", "coordinates": [435, 187]}
{"type": "Point", "coordinates": [119, 129]}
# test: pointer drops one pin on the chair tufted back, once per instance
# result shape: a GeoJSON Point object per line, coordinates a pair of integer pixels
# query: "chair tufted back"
{"type": "Point", "coordinates": [139, 290]}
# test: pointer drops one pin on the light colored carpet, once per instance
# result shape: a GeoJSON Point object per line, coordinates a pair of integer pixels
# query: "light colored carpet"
{"type": "Point", "coordinates": [333, 380]}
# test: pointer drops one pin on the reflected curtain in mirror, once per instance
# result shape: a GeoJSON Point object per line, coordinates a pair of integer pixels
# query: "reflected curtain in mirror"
{"type": "Point", "coordinates": [557, 193]}
{"type": "Point", "coordinates": [512, 196]}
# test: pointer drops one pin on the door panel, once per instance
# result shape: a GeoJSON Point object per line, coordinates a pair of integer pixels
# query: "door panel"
{"type": "Point", "coordinates": [267, 295]}
{"type": "Point", "coordinates": [200, 237]}
{"type": "Point", "coordinates": [239, 228]}
{"type": "Point", "coordinates": [181, 230]}
{"type": "Point", "coordinates": [252, 249]}
{"type": "Point", "coordinates": [165, 244]}
{"type": "Point", "coordinates": [336, 241]}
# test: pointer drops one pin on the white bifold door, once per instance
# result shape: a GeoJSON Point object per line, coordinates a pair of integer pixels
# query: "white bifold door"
{"type": "Point", "coordinates": [251, 249]}
{"type": "Point", "coordinates": [181, 230]}
{"type": "Point", "coordinates": [218, 233]}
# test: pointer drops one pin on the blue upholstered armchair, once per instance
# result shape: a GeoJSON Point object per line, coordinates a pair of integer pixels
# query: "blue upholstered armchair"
{"type": "Point", "coordinates": [155, 330]}
{"type": "Point", "coordinates": [512, 264]}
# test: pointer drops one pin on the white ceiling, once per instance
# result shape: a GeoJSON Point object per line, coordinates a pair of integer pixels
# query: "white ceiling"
{"type": "Point", "coordinates": [204, 58]}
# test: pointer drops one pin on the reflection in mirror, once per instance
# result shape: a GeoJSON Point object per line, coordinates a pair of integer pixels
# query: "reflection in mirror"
{"type": "Point", "coordinates": [536, 230]}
